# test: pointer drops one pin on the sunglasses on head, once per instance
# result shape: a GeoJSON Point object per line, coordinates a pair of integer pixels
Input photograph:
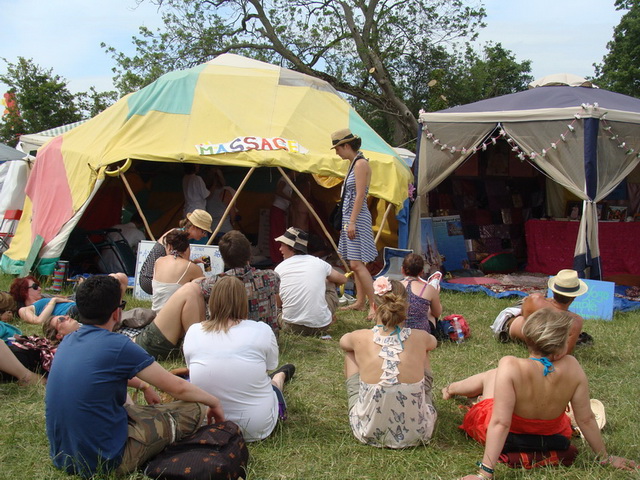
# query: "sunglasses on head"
{"type": "Point", "coordinates": [35, 286]}
{"type": "Point", "coordinates": [123, 304]}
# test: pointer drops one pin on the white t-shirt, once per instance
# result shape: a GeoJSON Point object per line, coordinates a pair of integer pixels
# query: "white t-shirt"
{"type": "Point", "coordinates": [233, 367]}
{"type": "Point", "coordinates": [195, 193]}
{"type": "Point", "coordinates": [302, 290]}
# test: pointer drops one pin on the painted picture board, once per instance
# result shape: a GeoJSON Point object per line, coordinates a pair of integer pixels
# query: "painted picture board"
{"type": "Point", "coordinates": [597, 303]}
{"type": "Point", "coordinates": [197, 251]}
{"type": "Point", "coordinates": [447, 232]}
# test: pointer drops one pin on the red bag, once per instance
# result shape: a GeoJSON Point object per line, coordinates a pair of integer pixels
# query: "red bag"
{"type": "Point", "coordinates": [450, 325]}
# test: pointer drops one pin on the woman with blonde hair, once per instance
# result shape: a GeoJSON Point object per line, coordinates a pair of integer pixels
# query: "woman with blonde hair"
{"type": "Point", "coordinates": [530, 395]}
{"type": "Point", "coordinates": [230, 355]}
{"type": "Point", "coordinates": [388, 375]}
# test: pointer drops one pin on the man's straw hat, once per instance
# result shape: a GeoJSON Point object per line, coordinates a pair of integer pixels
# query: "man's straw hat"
{"type": "Point", "coordinates": [567, 283]}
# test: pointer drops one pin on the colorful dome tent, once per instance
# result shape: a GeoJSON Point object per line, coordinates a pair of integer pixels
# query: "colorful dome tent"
{"type": "Point", "coordinates": [584, 138]}
{"type": "Point", "coordinates": [231, 111]}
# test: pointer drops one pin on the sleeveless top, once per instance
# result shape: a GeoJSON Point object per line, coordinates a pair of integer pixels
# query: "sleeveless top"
{"type": "Point", "coordinates": [393, 414]}
{"type": "Point", "coordinates": [163, 290]}
{"type": "Point", "coordinates": [417, 315]}
{"type": "Point", "coordinates": [363, 247]}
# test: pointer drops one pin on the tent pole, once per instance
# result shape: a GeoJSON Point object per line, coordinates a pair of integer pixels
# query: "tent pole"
{"type": "Point", "coordinates": [384, 219]}
{"type": "Point", "coordinates": [315, 215]}
{"type": "Point", "coordinates": [135, 202]}
{"type": "Point", "coordinates": [231, 204]}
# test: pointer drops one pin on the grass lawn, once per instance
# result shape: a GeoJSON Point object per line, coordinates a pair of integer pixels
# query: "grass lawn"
{"type": "Point", "coordinates": [316, 441]}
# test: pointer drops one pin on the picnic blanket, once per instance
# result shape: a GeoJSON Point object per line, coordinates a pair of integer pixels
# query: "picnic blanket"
{"type": "Point", "coordinates": [625, 299]}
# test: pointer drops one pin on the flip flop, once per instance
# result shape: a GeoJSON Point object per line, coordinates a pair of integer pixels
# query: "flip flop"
{"type": "Point", "coordinates": [288, 370]}
{"type": "Point", "coordinates": [434, 280]}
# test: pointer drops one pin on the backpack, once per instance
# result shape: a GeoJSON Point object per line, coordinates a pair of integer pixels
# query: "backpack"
{"type": "Point", "coordinates": [214, 452]}
{"type": "Point", "coordinates": [446, 328]}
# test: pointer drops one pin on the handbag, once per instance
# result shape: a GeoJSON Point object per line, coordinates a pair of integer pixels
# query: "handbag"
{"type": "Point", "coordinates": [335, 217]}
{"type": "Point", "coordinates": [214, 452]}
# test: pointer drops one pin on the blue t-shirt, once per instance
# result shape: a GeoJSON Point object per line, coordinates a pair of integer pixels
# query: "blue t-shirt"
{"type": "Point", "coordinates": [59, 309]}
{"type": "Point", "coordinates": [86, 390]}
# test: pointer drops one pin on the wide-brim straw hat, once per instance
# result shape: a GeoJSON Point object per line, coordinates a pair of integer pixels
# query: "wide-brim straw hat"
{"type": "Point", "coordinates": [567, 283]}
{"type": "Point", "coordinates": [342, 136]}
{"type": "Point", "coordinates": [200, 219]}
{"type": "Point", "coordinates": [598, 411]}
{"type": "Point", "coordinates": [295, 238]}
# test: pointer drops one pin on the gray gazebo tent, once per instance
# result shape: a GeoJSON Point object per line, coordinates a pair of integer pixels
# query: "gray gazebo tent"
{"type": "Point", "coordinates": [584, 138]}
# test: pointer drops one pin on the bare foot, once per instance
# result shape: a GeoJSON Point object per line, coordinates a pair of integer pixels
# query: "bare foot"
{"type": "Point", "coordinates": [32, 379]}
{"type": "Point", "coordinates": [372, 315]}
{"type": "Point", "coordinates": [354, 306]}
{"type": "Point", "coordinates": [446, 395]}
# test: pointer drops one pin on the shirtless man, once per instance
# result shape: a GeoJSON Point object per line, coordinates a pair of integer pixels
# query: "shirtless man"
{"type": "Point", "coordinates": [566, 286]}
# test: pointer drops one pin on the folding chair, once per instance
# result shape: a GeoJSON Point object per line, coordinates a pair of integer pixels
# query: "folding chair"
{"type": "Point", "coordinates": [392, 267]}
{"type": "Point", "coordinates": [8, 227]}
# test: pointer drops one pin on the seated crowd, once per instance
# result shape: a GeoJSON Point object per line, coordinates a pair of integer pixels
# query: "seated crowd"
{"type": "Point", "coordinates": [232, 319]}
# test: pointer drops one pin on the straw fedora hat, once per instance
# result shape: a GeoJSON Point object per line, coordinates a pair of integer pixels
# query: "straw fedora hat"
{"type": "Point", "coordinates": [598, 411]}
{"type": "Point", "coordinates": [567, 283]}
{"type": "Point", "coordinates": [200, 219]}
{"type": "Point", "coordinates": [295, 238]}
{"type": "Point", "coordinates": [342, 136]}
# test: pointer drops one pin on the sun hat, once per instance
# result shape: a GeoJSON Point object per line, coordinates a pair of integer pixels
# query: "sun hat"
{"type": "Point", "coordinates": [567, 283]}
{"type": "Point", "coordinates": [342, 136]}
{"type": "Point", "coordinates": [200, 219]}
{"type": "Point", "coordinates": [597, 408]}
{"type": "Point", "coordinates": [295, 238]}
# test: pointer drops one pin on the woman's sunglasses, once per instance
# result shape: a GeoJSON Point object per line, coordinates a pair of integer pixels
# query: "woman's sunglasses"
{"type": "Point", "coordinates": [35, 286]}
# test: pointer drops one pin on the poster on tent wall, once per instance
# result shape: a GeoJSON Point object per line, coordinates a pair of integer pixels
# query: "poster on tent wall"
{"type": "Point", "coordinates": [210, 254]}
{"type": "Point", "coordinates": [597, 303]}
{"type": "Point", "coordinates": [447, 232]}
{"type": "Point", "coordinates": [429, 246]}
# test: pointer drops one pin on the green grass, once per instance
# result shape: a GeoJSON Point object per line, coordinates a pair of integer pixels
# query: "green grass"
{"type": "Point", "coordinates": [316, 441]}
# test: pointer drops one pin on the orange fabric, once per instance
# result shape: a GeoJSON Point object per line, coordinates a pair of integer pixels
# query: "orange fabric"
{"type": "Point", "coordinates": [476, 421]}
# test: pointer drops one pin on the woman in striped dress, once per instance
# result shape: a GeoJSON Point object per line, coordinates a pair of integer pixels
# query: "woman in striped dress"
{"type": "Point", "coordinates": [356, 235]}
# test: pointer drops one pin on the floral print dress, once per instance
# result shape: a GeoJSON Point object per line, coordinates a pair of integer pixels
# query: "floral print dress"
{"type": "Point", "coordinates": [393, 414]}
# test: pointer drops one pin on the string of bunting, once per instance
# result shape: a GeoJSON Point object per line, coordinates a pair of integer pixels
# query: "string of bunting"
{"type": "Point", "coordinates": [492, 140]}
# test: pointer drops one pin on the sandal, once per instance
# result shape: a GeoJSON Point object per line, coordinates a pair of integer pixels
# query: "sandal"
{"type": "Point", "coordinates": [288, 370]}
{"type": "Point", "coordinates": [434, 280]}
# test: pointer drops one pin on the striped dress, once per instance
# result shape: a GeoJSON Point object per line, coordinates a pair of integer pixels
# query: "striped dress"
{"type": "Point", "coordinates": [362, 247]}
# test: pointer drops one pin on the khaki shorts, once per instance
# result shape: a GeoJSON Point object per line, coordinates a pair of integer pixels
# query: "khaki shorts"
{"type": "Point", "coordinates": [155, 343]}
{"type": "Point", "coordinates": [153, 427]}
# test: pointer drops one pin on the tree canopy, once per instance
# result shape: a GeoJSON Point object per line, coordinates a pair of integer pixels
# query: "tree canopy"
{"type": "Point", "coordinates": [380, 53]}
{"type": "Point", "coordinates": [620, 68]}
{"type": "Point", "coordinates": [40, 100]}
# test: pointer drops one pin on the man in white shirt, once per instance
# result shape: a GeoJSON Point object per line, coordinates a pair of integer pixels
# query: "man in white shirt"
{"type": "Point", "coordinates": [307, 286]}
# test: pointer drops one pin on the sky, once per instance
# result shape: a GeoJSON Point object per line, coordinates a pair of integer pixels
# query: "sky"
{"type": "Point", "coordinates": [558, 36]}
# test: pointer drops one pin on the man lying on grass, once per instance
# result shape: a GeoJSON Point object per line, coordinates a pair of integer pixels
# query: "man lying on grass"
{"type": "Point", "coordinates": [90, 430]}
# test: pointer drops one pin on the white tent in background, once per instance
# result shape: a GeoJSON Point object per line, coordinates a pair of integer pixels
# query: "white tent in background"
{"type": "Point", "coordinates": [585, 138]}
{"type": "Point", "coordinates": [31, 142]}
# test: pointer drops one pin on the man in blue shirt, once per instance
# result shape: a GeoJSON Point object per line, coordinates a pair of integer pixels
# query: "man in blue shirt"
{"type": "Point", "coordinates": [90, 430]}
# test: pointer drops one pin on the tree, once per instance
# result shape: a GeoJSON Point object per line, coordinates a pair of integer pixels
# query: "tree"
{"type": "Point", "coordinates": [620, 69]}
{"type": "Point", "coordinates": [494, 73]}
{"type": "Point", "coordinates": [364, 49]}
{"type": "Point", "coordinates": [42, 100]}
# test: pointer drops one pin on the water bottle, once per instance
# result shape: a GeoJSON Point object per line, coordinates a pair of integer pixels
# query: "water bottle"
{"type": "Point", "coordinates": [458, 329]}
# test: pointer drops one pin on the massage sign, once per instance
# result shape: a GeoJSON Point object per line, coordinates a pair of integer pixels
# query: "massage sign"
{"type": "Point", "coordinates": [245, 144]}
